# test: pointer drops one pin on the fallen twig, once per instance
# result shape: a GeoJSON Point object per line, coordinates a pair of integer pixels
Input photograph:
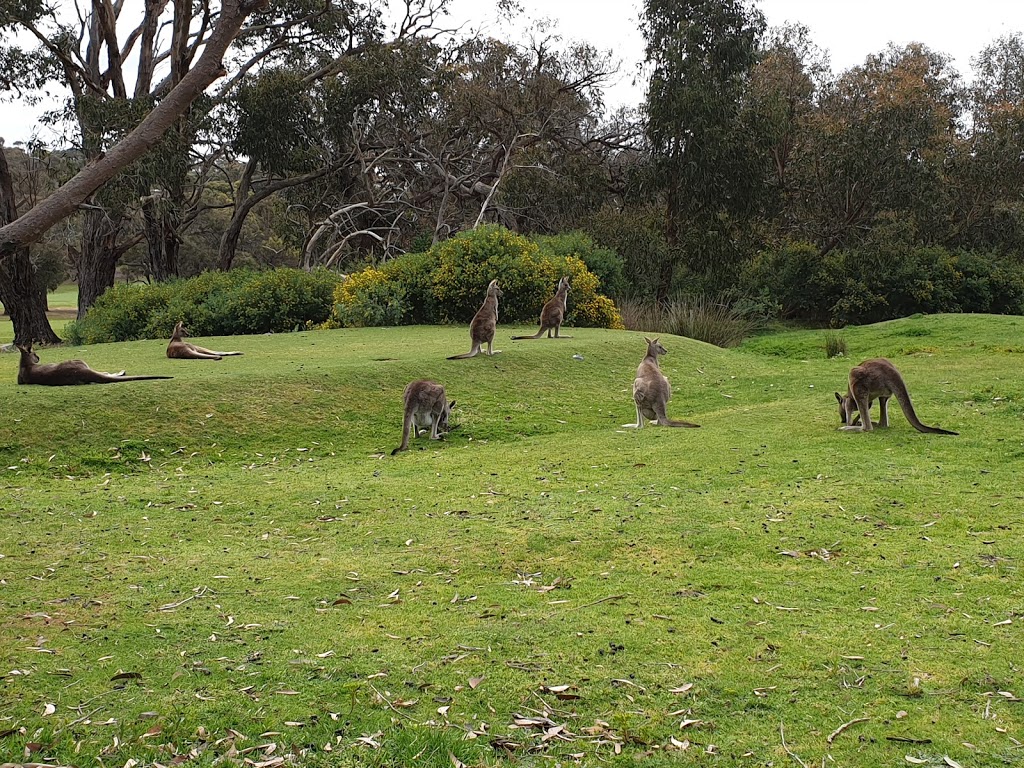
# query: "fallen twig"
{"type": "Point", "coordinates": [790, 752]}
{"type": "Point", "coordinates": [844, 726]}
{"type": "Point", "coordinates": [172, 606]}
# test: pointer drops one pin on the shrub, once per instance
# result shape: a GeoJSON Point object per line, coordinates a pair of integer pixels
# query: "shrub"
{"type": "Point", "coordinates": [212, 304]}
{"type": "Point", "coordinates": [835, 344]}
{"type": "Point", "coordinates": [122, 313]}
{"type": "Point", "coordinates": [367, 298]}
{"type": "Point", "coordinates": [876, 281]}
{"type": "Point", "coordinates": [605, 263]}
{"type": "Point", "coordinates": [638, 238]}
{"type": "Point", "coordinates": [447, 284]}
{"type": "Point", "coordinates": [696, 317]}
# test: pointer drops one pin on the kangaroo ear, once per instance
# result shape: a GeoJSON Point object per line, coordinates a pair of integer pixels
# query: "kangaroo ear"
{"type": "Point", "coordinates": [648, 340]}
{"type": "Point", "coordinates": [839, 398]}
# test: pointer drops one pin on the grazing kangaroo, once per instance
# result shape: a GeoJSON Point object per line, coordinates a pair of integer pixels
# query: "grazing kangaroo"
{"type": "Point", "coordinates": [481, 330]}
{"type": "Point", "coordinates": [553, 313]}
{"type": "Point", "coordinates": [67, 372]}
{"type": "Point", "coordinates": [426, 405]}
{"type": "Point", "coordinates": [877, 379]}
{"type": "Point", "coordinates": [183, 350]}
{"type": "Point", "coordinates": [651, 390]}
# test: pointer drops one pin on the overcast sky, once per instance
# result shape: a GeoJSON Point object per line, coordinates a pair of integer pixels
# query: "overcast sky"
{"type": "Point", "coordinates": [849, 31]}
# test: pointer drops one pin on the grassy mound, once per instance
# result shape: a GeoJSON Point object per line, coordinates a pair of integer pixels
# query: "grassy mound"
{"type": "Point", "coordinates": [230, 560]}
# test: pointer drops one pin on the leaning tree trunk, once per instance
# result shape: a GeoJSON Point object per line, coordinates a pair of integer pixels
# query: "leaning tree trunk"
{"type": "Point", "coordinates": [23, 296]}
{"type": "Point", "coordinates": [99, 257]}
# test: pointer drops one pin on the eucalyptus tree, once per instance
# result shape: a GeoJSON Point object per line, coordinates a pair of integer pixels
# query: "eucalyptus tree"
{"type": "Point", "coordinates": [86, 56]}
{"type": "Point", "coordinates": [879, 140]}
{"type": "Point", "coordinates": [783, 92]}
{"type": "Point", "coordinates": [699, 55]}
{"type": "Point", "coordinates": [987, 177]}
{"type": "Point", "coordinates": [476, 130]}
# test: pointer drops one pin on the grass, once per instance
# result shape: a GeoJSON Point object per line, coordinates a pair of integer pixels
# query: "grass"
{"type": "Point", "coordinates": [197, 569]}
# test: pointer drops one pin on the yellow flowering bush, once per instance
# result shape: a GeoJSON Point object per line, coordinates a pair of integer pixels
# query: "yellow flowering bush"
{"type": "Point", "coordinates": [448, 283]}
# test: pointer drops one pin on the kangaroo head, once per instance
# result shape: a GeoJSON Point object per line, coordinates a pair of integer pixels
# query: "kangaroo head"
{"type": "Point", "coordinates": [493, 289]}
{"type": "Point", "coordinates": [180, 329]}
{"type": "Point", "coordinates": [28, 354]}
{"type": "Point", "coordinates": [847, 406]}
{"type": "Point", "coordinates": [442, 423]}
{"type": "Point", "coordinates": [654, 348]}
{"type": "Point", "coordinates": [563, 284]}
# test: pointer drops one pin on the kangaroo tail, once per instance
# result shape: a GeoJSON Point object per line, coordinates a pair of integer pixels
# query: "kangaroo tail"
{"type": "Point", "coordinates": [903, 396]}
{"type": "Point", "coordinates": [674, 423]}
{"type": "Point", "coordinates": [537, 335]}
{"type": "Point", "coordinates": [472, 353]}
{"type": "Point", "coordinates": [934, 430]}
{"type": "Point", "coordinates": [118, 379]}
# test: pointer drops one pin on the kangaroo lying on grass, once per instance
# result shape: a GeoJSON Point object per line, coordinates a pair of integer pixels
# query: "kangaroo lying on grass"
{"type": "Point", "coordinates": [877, 379]}
{"type": "Point", "coordinates": [553, 313]}
{"type": "Point", "coordinates": [67, 372]}
{"type": "Point", "coordinates": [651, 390]}
{"type": "Point", "coordinates": [481, 330]}
{"type": "Point", "coordinates": [426, 405]}
{"type": "Point", "coordinates": [183, 350]}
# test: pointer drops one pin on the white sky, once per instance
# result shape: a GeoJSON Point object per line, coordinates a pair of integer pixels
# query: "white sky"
{"type": "Point", "coordinates": [849, 31]}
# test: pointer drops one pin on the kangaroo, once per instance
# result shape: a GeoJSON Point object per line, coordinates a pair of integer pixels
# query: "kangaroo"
{"type": "Point", "coordinates": [67, 372]}
{"type": "Point", "coordinates": [553, 313]}
{"type": "Point", "coordinates": [426, 405]}
{"type": "Point", "coordinates": [183, 350]}
{"type": "Point", "coordinates": [877, 379]}
{"type": "Point", "coordinates": [481, 330]}
{"type": "Point", "coordinates": [651, 390]}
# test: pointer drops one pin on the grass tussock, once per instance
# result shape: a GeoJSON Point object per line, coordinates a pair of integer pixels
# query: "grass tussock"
{"type": "Point", "coordinates": [696, 317]}
{"type": "Point", "coordinates": [835, 344]}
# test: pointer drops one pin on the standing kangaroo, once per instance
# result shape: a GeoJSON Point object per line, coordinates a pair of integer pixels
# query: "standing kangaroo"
{"type": "Point", "coordinates": [426, 405]}
{"type": "Point", "coordinates": [67, 372]}
{"type": "Point", "coordinates": [481, 330]}
{"type": "Point", "coordinates": [877, 379]}
{"type": "Point", "coordinates": [553, 313]}
{"type": "Point", "coordinates": [651, 390]}
{"type": "Point", "coordinates": [183, 350]}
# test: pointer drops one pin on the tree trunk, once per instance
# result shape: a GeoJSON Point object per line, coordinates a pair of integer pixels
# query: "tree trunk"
{"type": "Point", "coordinates": [162, 243]}
{"type": "Point", "coordinates": [245, 202]}
{"type": "Point", "coordinates": [99, 257]}
{"type": "Point", "coordinates": [23, 296]}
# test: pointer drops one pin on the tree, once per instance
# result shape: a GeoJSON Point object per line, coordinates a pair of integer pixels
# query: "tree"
{"type": "Point", "coordinates": [985, 176]}
{"type": "Point", "coordinates": [781, 98]}
{"type": "Point", "coordinates": [90, 79]}
{"type": "Point", "coordinates": [22, 293]}
{"type": "Point", "coordinates": [699, 54]}
{"type": "Point", "coordinates": [880, 138]}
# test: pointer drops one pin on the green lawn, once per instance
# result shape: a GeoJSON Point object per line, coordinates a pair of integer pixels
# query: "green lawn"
{"type": "Point", "coordinates": [230, 566]}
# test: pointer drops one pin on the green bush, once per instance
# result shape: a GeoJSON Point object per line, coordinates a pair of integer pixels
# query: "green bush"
{"type": "Point", "coordinates": [605, 263]}
{"type": "Point", "coordinates": [212, 304]}
{"type": "Point", "coordinates": [448, 283]}
{"type": "Point", "coordinates": [875, 282]}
